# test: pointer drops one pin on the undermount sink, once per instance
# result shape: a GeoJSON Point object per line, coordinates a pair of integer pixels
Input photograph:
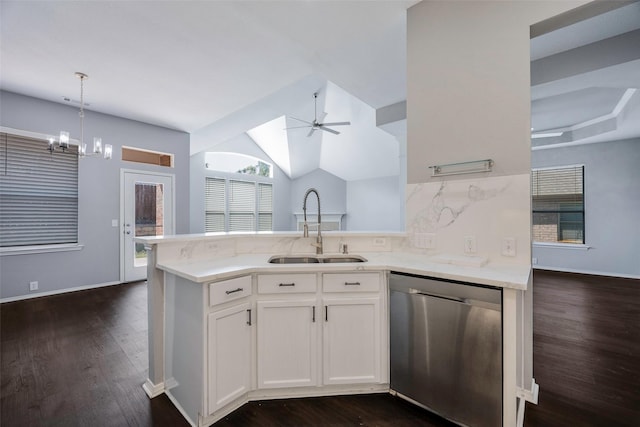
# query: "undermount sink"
{"type": "Point", "coordinates": [315, 259]}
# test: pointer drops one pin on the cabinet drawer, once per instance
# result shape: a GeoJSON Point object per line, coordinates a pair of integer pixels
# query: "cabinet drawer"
{"type": "Point", "coordinates": [286, 283]}
{"type": "Point", "coordinates": [229, 290]}
{"type": "Point", "coordinates": [351, 282]}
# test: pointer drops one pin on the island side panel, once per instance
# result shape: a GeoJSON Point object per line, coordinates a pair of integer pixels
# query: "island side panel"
{"type": "Point", "coordinates": [154, 385]}
{"type": "Point", "coordinates": [184, 346]}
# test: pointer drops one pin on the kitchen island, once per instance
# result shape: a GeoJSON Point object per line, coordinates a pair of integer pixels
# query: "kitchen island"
{"type": "Point", "coordinates": [218, 309]}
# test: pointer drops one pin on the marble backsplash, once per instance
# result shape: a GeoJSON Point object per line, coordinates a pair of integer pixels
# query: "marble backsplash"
{"type": "Point", "coordinates": [442, 216]}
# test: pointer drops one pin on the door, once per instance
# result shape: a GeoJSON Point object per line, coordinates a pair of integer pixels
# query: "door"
{"type": "Point", "coordinates": [146, 210]}
{"type": "Point", "coordinates": [229, 354]}
{"type": "Point", "coordinates": [352, 340]}
{"type": "Point", "coordinates": [287, 343]}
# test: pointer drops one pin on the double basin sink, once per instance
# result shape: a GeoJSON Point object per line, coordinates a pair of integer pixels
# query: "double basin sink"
{"type": "Point", "coordinates": [315, 259]}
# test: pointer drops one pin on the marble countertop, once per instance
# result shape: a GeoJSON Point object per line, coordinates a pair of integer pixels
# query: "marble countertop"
{"type": "Point", "coordinates": [453, 268]}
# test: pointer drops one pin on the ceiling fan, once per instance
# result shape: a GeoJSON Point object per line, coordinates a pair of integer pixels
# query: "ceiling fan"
{"type": "Point", "coordinates": [315, 125]}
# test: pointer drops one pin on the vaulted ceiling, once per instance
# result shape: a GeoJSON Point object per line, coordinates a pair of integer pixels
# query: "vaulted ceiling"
{"type": "Point", "coordinates": [217, 69]}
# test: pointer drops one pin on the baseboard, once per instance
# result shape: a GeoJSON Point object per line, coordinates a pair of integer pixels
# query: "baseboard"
{"type": "Point", "coordinates": [594, 273]}
{"type": "Point", "coordinates": [180, 408]}
{"type": "Point", "coordinates": [152, 389]}
{"type": "Point", "coordinates": [57, 292]}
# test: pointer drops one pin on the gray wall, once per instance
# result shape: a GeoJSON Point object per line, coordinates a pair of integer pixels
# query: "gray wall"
{"type": "Point", "coordinates": [375, 205]}
{"type": "Point", "coordinates": [612, 208]}
{"type": "Point", "coordinates": [332, 191]}
{"type": "Point", "coordinates": [98, 191]}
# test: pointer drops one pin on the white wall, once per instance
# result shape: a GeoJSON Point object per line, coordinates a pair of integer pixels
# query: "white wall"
{"type": "Point", "coordinates": [375, 204]}
{"type": "Point", "coordinates": [98, 193]}
{"type": "Point", "coordinates": [612, 209]}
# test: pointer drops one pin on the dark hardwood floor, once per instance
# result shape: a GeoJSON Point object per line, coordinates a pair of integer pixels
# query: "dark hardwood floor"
{"type": "Point", "coordinates": [586, 350]}
{"type": "Point", "coordinates": [79, 359]}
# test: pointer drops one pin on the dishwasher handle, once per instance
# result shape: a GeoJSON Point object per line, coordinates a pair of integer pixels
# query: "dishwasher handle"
{"type": "Point", "coordinates": [460, 300]}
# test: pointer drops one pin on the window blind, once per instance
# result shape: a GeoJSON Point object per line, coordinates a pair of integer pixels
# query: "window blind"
{"type": "Point", "coordinates": [558, 204]}
{"type": "Point", "coordinates": [265, 207]}
{"type": "Point", "coordinates": [38, 193]}
{"type": "Point", "coordinates": [234, 205]}
{"type": "Point", "coordinates": [215, 204]}
{"type": "Point", "coordinates": [242, 205]}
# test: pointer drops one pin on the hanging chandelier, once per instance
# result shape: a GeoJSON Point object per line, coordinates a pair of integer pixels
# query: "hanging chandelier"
{"type": "Point", "coordinates": [63, 141]}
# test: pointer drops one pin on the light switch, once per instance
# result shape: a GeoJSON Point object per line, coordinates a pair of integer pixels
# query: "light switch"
{"type": "Point", "coordinates": [114, 222]}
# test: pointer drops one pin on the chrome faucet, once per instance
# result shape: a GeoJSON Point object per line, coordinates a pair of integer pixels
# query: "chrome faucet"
{"type": "Point", "coordinates": [318, 243]}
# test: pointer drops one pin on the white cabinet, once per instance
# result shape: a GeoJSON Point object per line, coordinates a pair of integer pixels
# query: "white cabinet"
{"type": "Point", "coordinates": [287, 343]}
{"type": "Point", "coordinates": [287, 330]}
{"type": "Point", "coordinates": [229, 346]}
{"type": "Point", "coordinates": [351, 340]}
{"type": "Point", "coordinates": [347, 314]}
{"type": "Point", "coordinates": [352, 328]}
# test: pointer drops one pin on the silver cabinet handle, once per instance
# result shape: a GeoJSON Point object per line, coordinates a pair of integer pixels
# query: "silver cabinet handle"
{"type": "Point", "coordinates": [249, 316]}
{"type": "Point", "coordinates": [233, 291]}
{"type": "Point", "coordinates": [352, 283]}
{"type": "Point", "coordinates": [287, 284]}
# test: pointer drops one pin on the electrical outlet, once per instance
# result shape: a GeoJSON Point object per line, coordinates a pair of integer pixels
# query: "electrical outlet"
{"type": "Point", "coordinates": [470, 245]}
{"type": "Point", "coordinates": [509, 246]}
{"type": "Point", "coordinates": [33, 286]}
{"type": "Point", "coordinates": [534, 261]}
{"type": "Point", "coordinates": [379, 241]}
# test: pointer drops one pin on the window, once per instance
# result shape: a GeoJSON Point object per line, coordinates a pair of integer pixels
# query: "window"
{"type": "Point", "coordinates": [38, 193]}
{"type": "Point", "coordinates": [223, 161]}
{"type": "Point", "coordinates": [235, 205]}
{"type": "Point", "coordinates": [558, 205]}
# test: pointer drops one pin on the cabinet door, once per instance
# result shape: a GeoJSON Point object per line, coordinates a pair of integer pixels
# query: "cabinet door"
{"type": "Point", "coordinates": [351, 340]}
{"type": "Point", "coordinates": [287, 343]}
{"type": "Point", "coordinates": [229, 353]}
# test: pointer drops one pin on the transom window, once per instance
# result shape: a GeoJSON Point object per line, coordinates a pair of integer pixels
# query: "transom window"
{"type": "Point", "coordinates": [237, 163]}
{"type": "Point", "coordinates": [558, 205]}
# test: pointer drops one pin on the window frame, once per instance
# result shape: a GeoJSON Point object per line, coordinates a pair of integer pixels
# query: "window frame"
{"type": "Point", "coordinates": [582, 212]}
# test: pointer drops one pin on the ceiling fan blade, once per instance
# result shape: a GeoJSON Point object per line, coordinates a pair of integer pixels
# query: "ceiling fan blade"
{"type": "Point", "coordinates": [335, 132]}
{"type": "Point", "coordinates": [313, 129]}
{"type": "Point", "coordinates": [297, 127]}
{"type": "Point", "coordinates": [335, 124]}
{"type": "Point", "coordinates": [300, 120]}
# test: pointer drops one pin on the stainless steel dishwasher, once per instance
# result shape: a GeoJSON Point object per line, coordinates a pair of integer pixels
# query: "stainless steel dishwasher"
{"type": "Point", "coordinates": [446, 347]}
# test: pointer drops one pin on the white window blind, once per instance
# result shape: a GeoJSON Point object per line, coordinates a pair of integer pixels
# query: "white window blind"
{"type": "Point", "coordinates": [38, 193]}
{"type": "Point", "coordinates": [234, 205]}
{"type": "Point", "coordinates": [242, 205]}
{"type": "Point", "coordinates": [558, 204]}
{"type": "Point", "coordinates": [265, 207]}
{"type": "Point", "coordinates": [215, 204]}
